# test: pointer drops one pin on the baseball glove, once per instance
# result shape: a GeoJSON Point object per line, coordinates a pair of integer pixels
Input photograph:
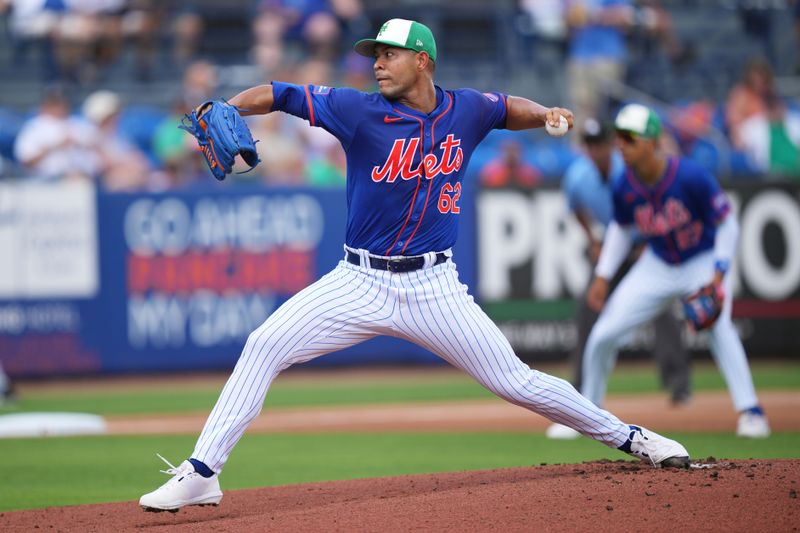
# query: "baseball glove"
{"type": "Point", "coordinates": [221, 133]}
{"type": "Point", "coordinates": [703, 307]}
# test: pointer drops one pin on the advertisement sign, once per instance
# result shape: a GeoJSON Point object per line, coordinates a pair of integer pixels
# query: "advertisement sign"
{"type": "Point", "coordinates": [47, 241]}
{"type": "Point", "coordinates": [188, 276]}
{"type": "Point", "coordinates": [97, 282]}
{"type": "Point", "coordinates": [49, 277]}
{"type": "Point", "coordinates": [207, 271]}
{"type": "Point", "coordinates": [533, 266]}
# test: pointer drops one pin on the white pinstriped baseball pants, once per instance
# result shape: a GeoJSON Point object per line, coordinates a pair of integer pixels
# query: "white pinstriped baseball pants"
{"type": "Point", "coordinates": [644, 292]}
{"type": "Point", "coordinates": [429, 307]}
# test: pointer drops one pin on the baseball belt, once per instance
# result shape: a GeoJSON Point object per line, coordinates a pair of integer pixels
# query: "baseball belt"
{"type": "Point", "coordinates": [401, 264]}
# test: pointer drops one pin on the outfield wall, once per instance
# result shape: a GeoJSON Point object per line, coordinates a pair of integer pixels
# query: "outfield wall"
{"type": "Point", "coordinates": [92, 282]}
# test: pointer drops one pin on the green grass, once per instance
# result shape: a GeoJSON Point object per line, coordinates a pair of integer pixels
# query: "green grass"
{"type": "Point", "coordinates": [203, 397]}
{"type": "Point", "coordinates": [36, 473]}
{"type": "Point", "coordinates": [328, 390]}
{"type": "Point", "coordinates": [67, 471]}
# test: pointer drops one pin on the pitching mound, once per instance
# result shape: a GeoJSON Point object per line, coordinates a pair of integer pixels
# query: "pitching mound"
{"type": "Point", "coordinates": [600, 496]}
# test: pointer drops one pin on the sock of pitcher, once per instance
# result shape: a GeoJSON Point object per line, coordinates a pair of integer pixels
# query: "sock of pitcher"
{"type": "Point", "coordinates": [201, 468]}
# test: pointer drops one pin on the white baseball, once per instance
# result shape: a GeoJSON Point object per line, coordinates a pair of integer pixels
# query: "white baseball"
{"type": "Point", "coordinates": [558, 131]}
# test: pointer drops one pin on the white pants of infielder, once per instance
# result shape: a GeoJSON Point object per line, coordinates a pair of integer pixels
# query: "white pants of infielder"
{"type": "Point", "coordinates": [429, 307]}
{"type": "Point", "coordinates": [649, 287]}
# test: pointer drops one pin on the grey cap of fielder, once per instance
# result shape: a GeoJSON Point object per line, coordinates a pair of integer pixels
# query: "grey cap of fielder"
{"type": "Point", "coordinates": [401, 33]}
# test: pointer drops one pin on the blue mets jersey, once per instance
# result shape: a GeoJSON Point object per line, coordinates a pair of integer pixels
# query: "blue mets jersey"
{"type": "Point", "coordinates": [404, 167]}
{"type": "Point", "coordinates": [678, 215]}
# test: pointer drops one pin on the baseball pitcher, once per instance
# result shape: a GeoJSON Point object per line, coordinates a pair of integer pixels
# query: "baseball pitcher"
{"type": "Point", "coordinates": [407, 146]}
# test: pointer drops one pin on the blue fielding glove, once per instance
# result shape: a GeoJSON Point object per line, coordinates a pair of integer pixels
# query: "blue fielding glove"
{"type": "Point", "coordinates": [221, 133]}
{"type": "Point", "coordinates": [703, 307]}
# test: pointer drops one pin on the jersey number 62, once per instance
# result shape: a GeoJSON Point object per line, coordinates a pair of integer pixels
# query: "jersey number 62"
{"type": "Point", "coordinates": [448, 198]}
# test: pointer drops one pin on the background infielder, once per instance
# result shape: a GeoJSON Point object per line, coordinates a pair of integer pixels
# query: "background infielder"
{"type": "Point", "coordinates": [587, 186]}
{"type": "Point", "coordinates": [407, 150]}
{"type": "Point", "coordinates": [691, 235]}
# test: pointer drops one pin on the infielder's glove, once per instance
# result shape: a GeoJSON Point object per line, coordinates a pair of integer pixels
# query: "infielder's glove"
{"type": "Point", "coordinates": [703, 307]}
{"type": "Point", "coordinates": [221, 133]}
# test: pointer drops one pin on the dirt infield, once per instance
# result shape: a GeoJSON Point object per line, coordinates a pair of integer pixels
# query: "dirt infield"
{"type": "Point", "coordinates": [599, 496]}
{"type": "Point", "coordinates": [708, 411]}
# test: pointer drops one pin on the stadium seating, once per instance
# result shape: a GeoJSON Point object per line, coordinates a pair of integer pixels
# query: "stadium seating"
{"type": "Point", "coordinates": [480, 45]}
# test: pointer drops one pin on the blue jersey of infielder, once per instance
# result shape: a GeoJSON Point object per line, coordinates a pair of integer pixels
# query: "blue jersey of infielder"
{"type": "Point", "coordinates": [404, 167]}
{"type": "Point", "coordinates": [679, 215]}
{"type": "Point", "coordinates": [404, 176]}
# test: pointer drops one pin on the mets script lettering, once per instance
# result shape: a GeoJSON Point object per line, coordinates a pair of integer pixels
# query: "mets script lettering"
{"type": "Point", "coordinates": [401, 157]}
{"type": "Point", "coordinates": [674, 217]}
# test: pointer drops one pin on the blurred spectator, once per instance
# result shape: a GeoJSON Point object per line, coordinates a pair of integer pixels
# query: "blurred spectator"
{"type": "Point", "coordinates": [181, 162]}
{"type": "Point", "coordinates": [200, 83]}
{"type": "Point", "coordinates": [184, 28]}
{"type": "Point", "coordinates": [78, 32]}
{"type": "Point", "coordinates": [120, 21]}
{"type": "Point", "coordinates": [547, 18]}
{"type": "Point", "coordinates": [771, 139]}
{"type": "Point", "coordinates": [655, 22]}
{"type": "Point", "coordinates": [597, 52]}
{"type": "Point", "coordinates": [545, 22]}
{"type": "Point", "coordinates": [78, 40]}
{"type": "Point", "coordinates": [756, 17]}
{"type": "Point", "coordinates": [328, 169]}
{"type": "Point", "coordinates": [692, 121]}
{"type": "Point", "coordinates": [34, 24]}
{"type": "Point", "coordinates": [137, 21]}
{"type": "Point", "coordinates": [748, 97]}
{"type": "Point", "coordinates": [315, 24]}
{"type": "Point", "coordinates": [281, 145]}
{"type": "Point", "coordinates": [281, 148]}
{"type": "Point", "coordinates": [53, 145]}
{"type": "Point", "coordinates": [357, 72]}
{"type": "Point", "coordinates": [316, 71]}
{"type": "Point", "coordinates": [324, 163]}
{"type": "Point", "coordinates": [509, 169]}
{"type": "Point", "coordinates": [587, 187]}
{"type": "Point", "coordinates": [689, 126]}
{"type": "Point", "coordinates": [761, 124]}
{"type": "Point", "coordinates": [87, 38]}
{"type": "Point", "coordinates": [123, 166]}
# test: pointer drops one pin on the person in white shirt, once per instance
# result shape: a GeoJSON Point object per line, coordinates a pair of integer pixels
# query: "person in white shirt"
{"type": "Point", "coordinates": [53, 145]}
{"type": "Point", "coordinates": [123, 167]}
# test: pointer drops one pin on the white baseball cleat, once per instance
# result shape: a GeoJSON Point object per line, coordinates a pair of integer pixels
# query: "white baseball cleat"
{"type": "Point", "coordinates": [561, 432]}
{"type": "Point", "coordinates": [659, 450]}
{"type": "Point", "coordinates": [753, 424]}
{"type": "Point", "coordinates": [186, 487]}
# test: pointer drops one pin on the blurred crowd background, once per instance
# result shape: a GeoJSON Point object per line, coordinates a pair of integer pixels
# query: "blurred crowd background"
{"type": "Point", "coordinates": [95, 89]}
